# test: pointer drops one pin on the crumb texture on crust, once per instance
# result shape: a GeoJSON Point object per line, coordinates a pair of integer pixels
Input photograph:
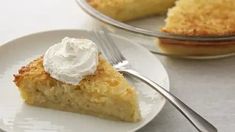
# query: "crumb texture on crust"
{"type": "Point", "coordinates": [104, 94]}
{"type": "Point", "coordinates": [125, 10]}
{"type": "Point", "coordinates": [201, 17]}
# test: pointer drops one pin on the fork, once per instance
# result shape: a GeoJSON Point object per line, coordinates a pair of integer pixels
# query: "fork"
{"type": "Point", "coordinates": [121, 64]}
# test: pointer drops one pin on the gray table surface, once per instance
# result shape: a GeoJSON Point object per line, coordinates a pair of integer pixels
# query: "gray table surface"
{"type": "Point", "coordinates": [208, 86]}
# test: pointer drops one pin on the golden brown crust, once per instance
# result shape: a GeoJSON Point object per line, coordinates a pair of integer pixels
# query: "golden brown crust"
{"type": "Point", "coordinates": [201, 17]}
{"type": "Point", "coordinates": [35, 71]}
{"type": "Point", "coordinates": [195, 48]}
{"type": "Point", "coordinates": [34, 68]}
{"type": "Point", "coordinates": [125, 10]}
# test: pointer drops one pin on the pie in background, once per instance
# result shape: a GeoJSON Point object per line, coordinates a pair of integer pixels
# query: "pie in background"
{"type": "Point", "coordinates": [125, 10]}
{"type": "Point", "coordinates": [200, 18]}
{"type": "Point", "coordinates": [185, 18]}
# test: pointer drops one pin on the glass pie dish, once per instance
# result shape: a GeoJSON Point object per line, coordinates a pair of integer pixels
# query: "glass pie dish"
{"type": "Point", "coordinates": [147, 32]}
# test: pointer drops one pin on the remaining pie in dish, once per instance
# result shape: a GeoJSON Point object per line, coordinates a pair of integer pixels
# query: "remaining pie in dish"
{"type": "Point", "coordinates": [106, 93]}
{"type": "Point", "coordinates": [200, 18]}
{"type": "Point", "coordinates": [188, 18]}
{"type": "Point", "coordinates": [125, 10]}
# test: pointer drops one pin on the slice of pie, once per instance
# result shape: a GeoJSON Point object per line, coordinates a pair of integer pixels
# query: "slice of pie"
{"type": "Point", "coordinates": [125, 10]}
{"type": "Point", "coordinates": [105, 94]}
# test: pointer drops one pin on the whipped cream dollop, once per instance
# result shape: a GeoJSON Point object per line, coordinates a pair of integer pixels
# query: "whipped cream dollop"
{"type": "Point", "coordinates": [71, 60]}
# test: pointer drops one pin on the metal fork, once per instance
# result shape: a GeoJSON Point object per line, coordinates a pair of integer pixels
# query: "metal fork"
{"type": "Point", "coordinates": [115, 57]}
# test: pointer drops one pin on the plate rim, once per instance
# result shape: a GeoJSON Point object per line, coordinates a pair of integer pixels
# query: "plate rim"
{"type": "Point", "coordinates": [112, 34]}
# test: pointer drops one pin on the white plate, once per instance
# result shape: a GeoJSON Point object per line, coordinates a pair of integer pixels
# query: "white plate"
{"type": "Point", "coordinates": [16, 116]}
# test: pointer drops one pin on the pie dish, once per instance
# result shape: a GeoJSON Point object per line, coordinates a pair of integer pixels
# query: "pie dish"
{"type": "Point", "coordinates": [196, 19]}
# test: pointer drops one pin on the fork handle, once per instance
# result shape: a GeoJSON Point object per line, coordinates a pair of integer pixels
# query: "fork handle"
{"type": "Point", "coordinates": [198, 122]}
